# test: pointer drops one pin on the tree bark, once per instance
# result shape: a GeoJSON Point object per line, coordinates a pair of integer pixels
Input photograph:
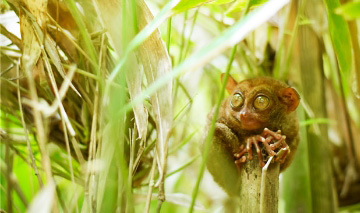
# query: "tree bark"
{"type": "Point", "coordinates": [259, 187]}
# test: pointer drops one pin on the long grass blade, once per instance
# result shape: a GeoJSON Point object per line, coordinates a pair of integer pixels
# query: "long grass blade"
{"type": "Point", "coordinates": [83, 31]}
{"type": "Point", "coordinates": [340, 36]}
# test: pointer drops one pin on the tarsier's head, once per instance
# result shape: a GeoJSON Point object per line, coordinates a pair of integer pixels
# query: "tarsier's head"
{"type": "Point", "coordinates": [256, 103]}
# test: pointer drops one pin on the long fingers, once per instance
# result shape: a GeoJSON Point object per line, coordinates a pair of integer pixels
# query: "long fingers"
{"type": "Point", "coordinates": [282, 154]}
{"type": "Point", "coordinates": [268, 132]}
{"type": "Point", "coordinates": [240, 161]}
{"type": "Point", "coordinates": [241, 152]}
{"type": "Point", "coordinates": [280, 143]}
{"type": "Point", "coordinates": [266, 143]}
{"type": "Point", "coordinates": [267, 138]}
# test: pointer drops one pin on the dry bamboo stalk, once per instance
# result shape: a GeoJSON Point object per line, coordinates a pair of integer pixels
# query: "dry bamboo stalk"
{"type": "Point", "coordinates": [259, 187]}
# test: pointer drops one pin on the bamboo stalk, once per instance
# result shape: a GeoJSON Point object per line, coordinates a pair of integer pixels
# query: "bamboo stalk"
{"type": "Point", "coordinates": [259, 187]}
{"type": "Point", "coordinates": [269, 197]}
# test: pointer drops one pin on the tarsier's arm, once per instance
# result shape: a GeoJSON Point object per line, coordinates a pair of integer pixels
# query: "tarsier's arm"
{"type": "Point", "coordinates": [257, 119]}
{"type": "Point", "coordinates": [220, 162]}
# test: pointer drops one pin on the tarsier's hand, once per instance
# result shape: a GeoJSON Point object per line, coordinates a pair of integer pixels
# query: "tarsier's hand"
{"type": "Point", "coordinates": [272, 143]}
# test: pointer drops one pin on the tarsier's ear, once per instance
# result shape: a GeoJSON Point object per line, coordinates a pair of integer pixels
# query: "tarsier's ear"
{"type": "Point", "coordinates": [230, 84]}
{"type": "Point", "coordinates": [290, 97]}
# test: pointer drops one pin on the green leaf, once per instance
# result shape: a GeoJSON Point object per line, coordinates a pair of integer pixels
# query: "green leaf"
{"type": "Point", "coordinates": [350, 10]}
{"type": "Point", "coordinates": [89, 46]}
{"type": "Point", "coordinates": [240, 5]}
{"type": "Point", "coordinates": [315, 121]}
{"type": "Point", "coordinates": [188, 4]}
{"type": "Point", "coordinates": [226, 40]}
{"type": "Point", "coordinates": [340, 36]}
{"type": "Point", "coordinates": [220, 2]}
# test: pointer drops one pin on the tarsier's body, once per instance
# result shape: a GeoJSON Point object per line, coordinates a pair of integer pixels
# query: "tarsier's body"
{"type": "Point", "coordinates": [258, 111]}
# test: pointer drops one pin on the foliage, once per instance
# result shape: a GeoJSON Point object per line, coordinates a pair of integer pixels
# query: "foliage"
{"type": "Point", "coordinates": [99, 114]}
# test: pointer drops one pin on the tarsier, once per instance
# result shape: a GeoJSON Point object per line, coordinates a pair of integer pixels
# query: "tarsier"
{"type": "Point", "coordinates": [259, 114]}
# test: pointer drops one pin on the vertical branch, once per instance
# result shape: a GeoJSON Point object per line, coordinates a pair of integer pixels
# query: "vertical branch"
{"type": "Point", "coordinates": [269, 197]}
{"type": "Point", "coordinates": [250, 182]}
{"type": "Point", "coordinates": [259, 187]}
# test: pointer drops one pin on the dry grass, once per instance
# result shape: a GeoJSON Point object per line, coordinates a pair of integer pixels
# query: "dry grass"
{"type": "Point", "coordinates": [103, 115]}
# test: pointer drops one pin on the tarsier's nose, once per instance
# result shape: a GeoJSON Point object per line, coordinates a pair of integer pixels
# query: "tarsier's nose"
{"type": "Point", "coordinates": [243, 114]}
{"type": "Point", "coordinates": [248, 121]}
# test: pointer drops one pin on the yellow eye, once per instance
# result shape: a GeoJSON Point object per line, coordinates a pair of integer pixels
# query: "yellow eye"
{"type": "Point", "coordinates": [261, 102]}
{"type": "Point", "coordinates": [236, 100]}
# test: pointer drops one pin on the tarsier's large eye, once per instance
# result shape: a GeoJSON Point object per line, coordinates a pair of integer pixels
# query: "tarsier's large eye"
{"type": "Point", "coordinates": [236, 101]}
{"type": "Point", "coordinates": [261, 102]}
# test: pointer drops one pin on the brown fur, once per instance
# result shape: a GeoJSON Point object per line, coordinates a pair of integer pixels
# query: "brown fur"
{"type": "Point", "coordinates": [230, 131]}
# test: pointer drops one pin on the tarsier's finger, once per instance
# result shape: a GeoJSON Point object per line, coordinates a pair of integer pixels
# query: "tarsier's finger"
{"type": "Point", "coordinates": [240, 161]}
{"type": "Point", "coordinates": [240, 153]}
{"type": "Point", "coordinates": [266, 143]}
{"type": "Point", "coordinates": [279, 143]}
{"type": "Point", "coordinates": [284, 144]}
{"type": "Point", "coordinates": [269, 139]}
{"type": "Point", "coordinates": [268, 132]}
{"type": "Point", "coordinates": [269, 149]}
{"type": "Point", "coordinates": [241, 148]}
{"type": "Point", "coordinates": [282, 154]}
{"type": "Point", "coordinates": [261, 164]}
{"type": "Point", "coordinates": [259, 138]}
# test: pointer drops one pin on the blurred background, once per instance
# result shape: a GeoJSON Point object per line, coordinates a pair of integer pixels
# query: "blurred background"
{"type": "Point", "coordinates": [104, 103]}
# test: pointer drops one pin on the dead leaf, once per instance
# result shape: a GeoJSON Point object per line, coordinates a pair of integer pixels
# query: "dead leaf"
{"type": "Point", "coordinates": [110, 18]}
{"type": "Point", "coordinates": [156, 62]}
